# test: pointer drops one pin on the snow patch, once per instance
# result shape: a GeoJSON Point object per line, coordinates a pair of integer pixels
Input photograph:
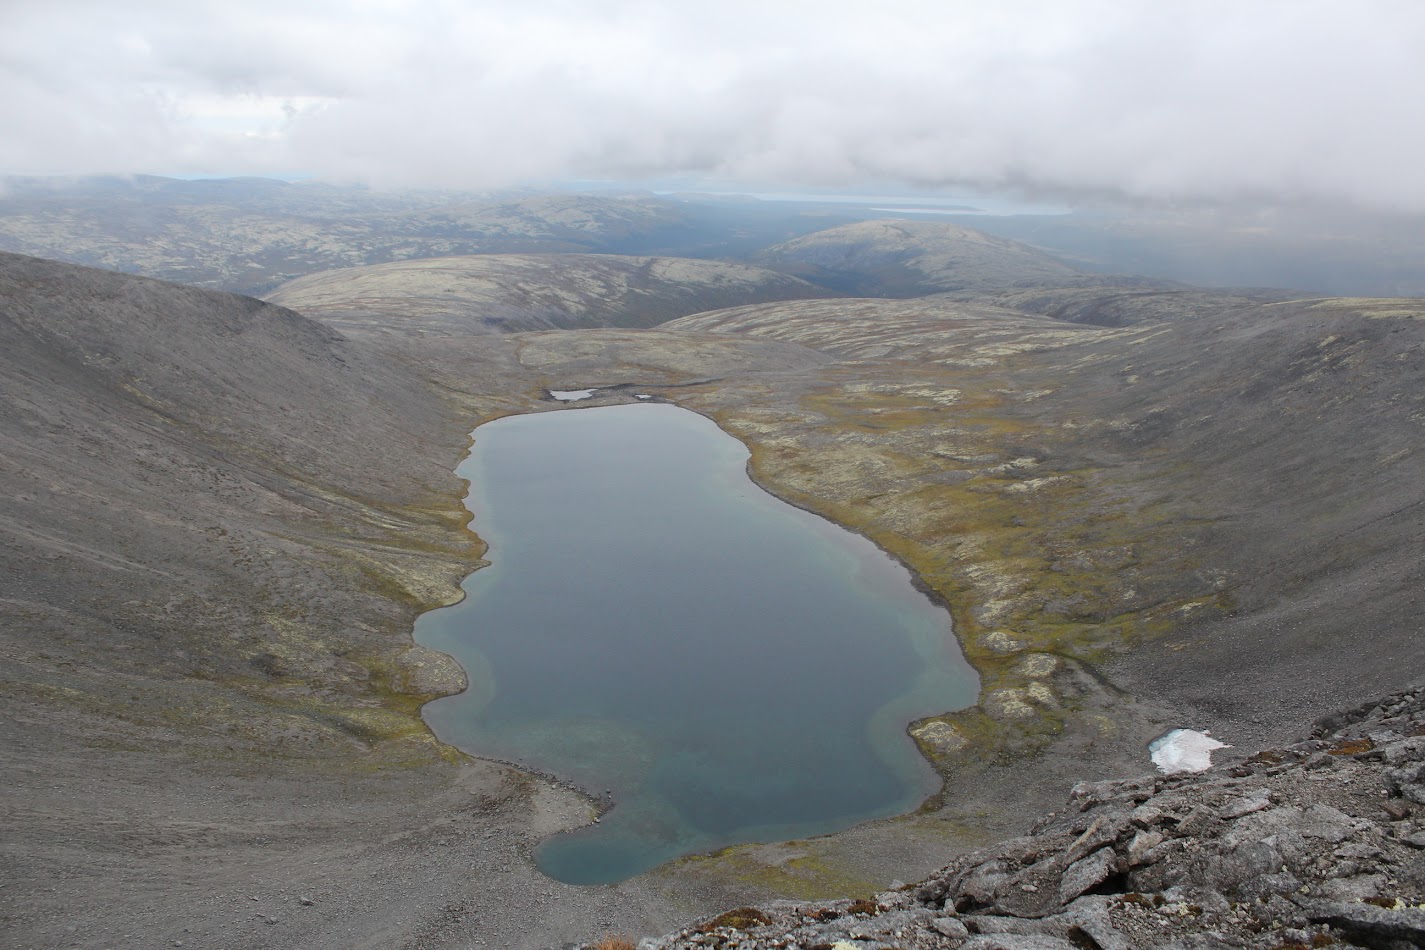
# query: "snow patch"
{"type": "Point", "coordinates": [571, 395]}
{"type": "Point", "coordinates": [1184, 750]}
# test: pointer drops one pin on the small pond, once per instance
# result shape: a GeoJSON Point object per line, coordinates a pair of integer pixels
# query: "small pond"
{"type": "Point", "coordinates": [654, 626]}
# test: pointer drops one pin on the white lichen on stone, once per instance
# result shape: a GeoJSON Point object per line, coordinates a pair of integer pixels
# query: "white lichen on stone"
{"type": "Point", "coordinates": [940, 735]}
{"type": "Point", "coordinates": [1035, 484]}
{"type": "Point", "coordinates": [1015, 465]}
{"type": "Point", "coordinates": [1008, 703]}
{"type": "Point", "coordinates": [1037, 664]}
{"type": "Point", "coordinates": [1041, 695]}
{"type": "Point", "coordinates": [1001, 642]}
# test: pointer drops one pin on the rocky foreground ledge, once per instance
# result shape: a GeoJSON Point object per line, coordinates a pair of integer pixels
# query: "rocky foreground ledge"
{"type": "Point", "coordinates": [1317, 844]}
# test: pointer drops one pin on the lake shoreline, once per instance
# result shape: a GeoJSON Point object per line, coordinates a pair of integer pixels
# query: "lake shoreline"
{"type": "Point", "coordinates": [484, 690]}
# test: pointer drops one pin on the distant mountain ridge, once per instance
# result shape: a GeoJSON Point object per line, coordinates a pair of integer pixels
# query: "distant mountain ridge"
{"type": "Point", "coordinates": [895, 258]}
{"type": "Point", "coordinates": [249, 235]}
{"type": "Point", "coordinates": [510, 292]}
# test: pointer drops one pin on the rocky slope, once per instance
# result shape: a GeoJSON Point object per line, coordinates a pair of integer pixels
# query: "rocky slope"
{"type": "Point", "coordinates": [218, 521]}
{"type": "Point", "coordinates": [509, 293]}
{"type": "Point", "coordinates": [911, 258]}
{"type": "Point", "coordinates": [1315, 844]}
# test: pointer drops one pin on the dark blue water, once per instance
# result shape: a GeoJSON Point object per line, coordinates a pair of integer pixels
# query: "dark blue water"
{"type": "Point", "coordinates": [652, 623]}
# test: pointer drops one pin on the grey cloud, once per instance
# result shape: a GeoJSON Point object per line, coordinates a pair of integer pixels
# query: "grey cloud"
{"type": "Point", "coordinates": [1205, 100]}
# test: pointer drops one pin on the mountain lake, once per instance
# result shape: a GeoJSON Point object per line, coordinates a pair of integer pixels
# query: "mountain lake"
{"type": "Point", "coordinates": [655, 627]}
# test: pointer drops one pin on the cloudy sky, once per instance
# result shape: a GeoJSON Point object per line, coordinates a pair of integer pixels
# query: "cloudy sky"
{"type": "Point", "coordinates": [1161, 99]}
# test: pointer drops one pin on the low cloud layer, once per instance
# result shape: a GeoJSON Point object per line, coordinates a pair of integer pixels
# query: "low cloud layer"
{"type": "Point", "coordinates": [1276, 100]}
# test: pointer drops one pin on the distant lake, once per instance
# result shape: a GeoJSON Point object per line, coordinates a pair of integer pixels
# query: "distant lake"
{"type": "Point", "coordinates": [731, 668]}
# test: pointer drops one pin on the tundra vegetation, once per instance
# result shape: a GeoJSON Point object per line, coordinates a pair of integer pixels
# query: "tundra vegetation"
{"type": "Point", "coordinates": [1146, 506]}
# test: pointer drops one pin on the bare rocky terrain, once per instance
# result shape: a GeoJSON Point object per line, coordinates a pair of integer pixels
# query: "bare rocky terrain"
{"type": "Point", "coordinates": [1145, 507]}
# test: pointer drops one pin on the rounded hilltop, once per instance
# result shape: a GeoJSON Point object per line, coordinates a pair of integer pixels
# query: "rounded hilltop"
{"type": "Point", "coordinates": [514, 292]}
{"type": "Point", "coordinates": [911, 258]}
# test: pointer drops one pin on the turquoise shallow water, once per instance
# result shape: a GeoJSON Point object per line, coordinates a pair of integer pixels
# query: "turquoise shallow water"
{"type": "Point", "coordinates": [731, 668]}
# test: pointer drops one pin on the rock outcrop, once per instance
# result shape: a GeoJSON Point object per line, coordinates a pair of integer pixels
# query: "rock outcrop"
{"type": "Point", "coordinates": [1314, 844]}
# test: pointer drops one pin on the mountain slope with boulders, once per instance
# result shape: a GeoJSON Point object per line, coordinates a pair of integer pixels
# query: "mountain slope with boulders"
{"type": "Point", "coordinates": [1315, 844]}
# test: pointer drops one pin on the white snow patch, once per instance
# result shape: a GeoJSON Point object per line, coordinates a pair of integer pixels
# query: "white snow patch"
{"type": "Point", "coordinates": [641, 396]}
{"type": "Point", "coordinates": [1184, 750]}
{"type": "Point", "coordinates": [571, 395]}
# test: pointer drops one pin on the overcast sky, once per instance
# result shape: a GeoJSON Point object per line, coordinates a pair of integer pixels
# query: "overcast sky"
{"type": "Point", "coordinates": [1274, 99]}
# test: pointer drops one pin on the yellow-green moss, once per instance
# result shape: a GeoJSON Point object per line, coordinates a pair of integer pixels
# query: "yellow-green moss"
{"type": "Point", "coordinates": [804, 876]}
